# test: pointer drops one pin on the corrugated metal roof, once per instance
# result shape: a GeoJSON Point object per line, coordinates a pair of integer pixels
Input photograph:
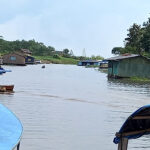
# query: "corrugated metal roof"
{"type": "Point", "coordinates": [125, 56]}
{"type": "Point", "coordinates": [26, 51]}
{"type": "Point", "coordinates": [88, 61]}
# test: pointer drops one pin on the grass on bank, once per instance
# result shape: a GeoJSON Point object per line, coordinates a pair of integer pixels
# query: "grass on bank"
{"type": "Point", "coordinates": [60, 60]}
{"type": "Point", "coordinates": [139, 79]}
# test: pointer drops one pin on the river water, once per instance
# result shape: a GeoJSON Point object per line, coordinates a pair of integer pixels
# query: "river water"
{"type": "Point", "coordinates": [66, 107]}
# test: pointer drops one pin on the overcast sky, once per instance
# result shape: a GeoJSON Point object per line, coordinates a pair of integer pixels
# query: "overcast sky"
{"type": "Point", "coordinates": [94, 25]}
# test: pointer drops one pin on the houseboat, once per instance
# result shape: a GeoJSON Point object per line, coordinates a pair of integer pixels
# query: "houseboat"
{"type": "Point", "coordinates": [89, 63]}
{"type": "Point", "coordinates": [17, 58]}
{"type": "Point", "coordinates": [103, 64]}
{"type": "Point", "coordinates": [129, 65]}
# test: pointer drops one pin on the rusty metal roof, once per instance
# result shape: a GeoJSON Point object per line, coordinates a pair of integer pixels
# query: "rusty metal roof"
{"type": "Point", "coordinates": [124, 56]}
{"type": "Point", "coordinates": [90, 61]}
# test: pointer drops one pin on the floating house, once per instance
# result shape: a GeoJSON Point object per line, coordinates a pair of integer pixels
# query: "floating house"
{"type": "Point", "coordinates": [17, 59]}
{"type": "Point", "coordinates": [29, 60]}
{"type": "Point", "coordinates": [103, 64]}
{"type": "Point", "coordinates": [14, 59]}
{"type": "Point", "coordinates": [89, 63]}
{"type": "Point", "coordinates": [129, 65]}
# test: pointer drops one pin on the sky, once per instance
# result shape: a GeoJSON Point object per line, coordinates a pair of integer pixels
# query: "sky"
{"type": "Point", "coordinates": [95, 26]}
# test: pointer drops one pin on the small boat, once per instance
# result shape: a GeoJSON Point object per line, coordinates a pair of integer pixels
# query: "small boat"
{"type": "Point", "coordinates": [37, 61]}
{"type": "Point", "coordinates": [136, 125]}
{"type": "Point", "coordinates": [10, 130]}
{"type": "Point", "coordinates": [2, 70]}
{"type": "Point", "coordinates": [43, 66]}
{"type": "Point", "coordinates": [6, 88]}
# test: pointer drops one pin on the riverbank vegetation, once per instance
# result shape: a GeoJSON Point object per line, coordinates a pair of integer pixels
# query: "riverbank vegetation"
{"type": "Point", "coordinates": [137, 40]}
{"type": "Point", "coordinates": [60, 60]}
{"type": "Point", "coordinates": [139, 79]}
{"type": "Point", "coordinates": [42, 52]}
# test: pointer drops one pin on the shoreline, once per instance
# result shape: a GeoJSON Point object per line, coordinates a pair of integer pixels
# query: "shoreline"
{"type": "Point", "coordinates": [51, 60]}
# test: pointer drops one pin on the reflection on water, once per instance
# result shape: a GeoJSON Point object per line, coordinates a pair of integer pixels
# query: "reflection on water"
{"type": "Point", "coordinates": [129, 86]}
{"type": "Point", "coordinates": [66, 107]}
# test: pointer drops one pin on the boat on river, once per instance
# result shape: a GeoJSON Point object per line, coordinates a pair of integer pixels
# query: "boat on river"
{"type": "Point", "coordinates": [2, 70]}
{"type": "Point", "coordinates": [6, 88]}
{"type": "Point", "coordinates": [10, 130]}
{"type": "Point", "coordinates": [136, 125]}
{"type": "Point", "coordinates": [43, 66]}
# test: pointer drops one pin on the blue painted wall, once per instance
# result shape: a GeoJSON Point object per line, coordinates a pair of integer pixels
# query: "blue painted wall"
{"type": "Point", "coordinates": [29, 60]}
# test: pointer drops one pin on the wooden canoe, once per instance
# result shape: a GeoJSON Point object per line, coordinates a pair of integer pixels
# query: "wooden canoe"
{"type": "Point", "coordinates": [10, 129]}
{"type": "Point", "coordinates": [6, 88]}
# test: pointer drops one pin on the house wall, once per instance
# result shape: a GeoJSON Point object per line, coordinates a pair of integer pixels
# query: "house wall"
{"type": "Point", "coordinates": [1, 61]}
{"type": "Point", "coordinates": [79, 63]}
{"type": "Point", "coordinates": [138, 66]}
{"type": "Point", "coordinates": [13, 59]}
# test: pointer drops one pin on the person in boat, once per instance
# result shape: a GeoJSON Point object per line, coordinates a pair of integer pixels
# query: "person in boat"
{"type": "Point", "coordinates": [43, 66]}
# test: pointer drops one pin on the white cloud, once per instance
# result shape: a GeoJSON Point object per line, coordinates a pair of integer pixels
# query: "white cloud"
{"type": "Point", "coordinates": [96, 25]}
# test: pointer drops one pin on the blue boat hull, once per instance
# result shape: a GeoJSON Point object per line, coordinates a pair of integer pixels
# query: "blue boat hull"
{"type": "Point", "coordinates": [10, 129]}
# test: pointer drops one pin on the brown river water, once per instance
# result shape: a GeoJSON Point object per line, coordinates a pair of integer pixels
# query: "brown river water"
{"type": "Point", "coordinates": [66, 107]}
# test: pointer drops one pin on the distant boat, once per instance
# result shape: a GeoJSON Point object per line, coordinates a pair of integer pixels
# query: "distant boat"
{"type": "Point", "coordinates": [43, 66]}
{"type": "Point", "coordinates": [37, 61]}
{"type": "Point", "coordinates": [10, 130]}
{"type": "Point", "coordinates": [6, 88]}
{"type": "Point", "coordinates": [2, 70]}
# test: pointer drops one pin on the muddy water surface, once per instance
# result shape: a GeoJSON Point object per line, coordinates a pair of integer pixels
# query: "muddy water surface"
{"type": "Point", "coordinates": [66, 107]}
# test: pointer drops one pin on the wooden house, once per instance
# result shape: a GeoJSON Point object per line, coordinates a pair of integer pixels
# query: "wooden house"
{"type": "Point", "coordinates": [14, 59]}
{"type": "Point", "coordinates": [17, 59]}
{"type": "Point", "coordinates": [89, 63]}
{"type": "Point", "coordinates": [129, 65]}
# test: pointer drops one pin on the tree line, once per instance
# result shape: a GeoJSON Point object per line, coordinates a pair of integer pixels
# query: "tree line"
{"type": "Point", "coordinates": [137, 40]}
{"type": "Point", "coordinates": [38, 49]}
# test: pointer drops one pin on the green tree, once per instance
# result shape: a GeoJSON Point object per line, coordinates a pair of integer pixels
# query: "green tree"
{"type": "Point", "coordinates": [117, 50]}
{"type": "Point", "coordinates": [134, 37]}
{"type": "Point", "coordinates": [66, 51]}
{"type": "Point", "coordinates": [145, 41]}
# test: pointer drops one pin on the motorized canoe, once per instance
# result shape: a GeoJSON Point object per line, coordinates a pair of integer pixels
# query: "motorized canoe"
{"type": "Point", "coordinates": [43, 66]}
{"type": "Point", "coordinates": [2, 70]}
{"type": "Point", "coordinates": [10, 130]}
{"type": "Point", "coordinates": [136, 125]}
{"type": "Point", "coordinates": [6, 88]}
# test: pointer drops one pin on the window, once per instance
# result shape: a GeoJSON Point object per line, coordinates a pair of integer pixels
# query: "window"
{"type": "Point", "coordinates": [12, 58]}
